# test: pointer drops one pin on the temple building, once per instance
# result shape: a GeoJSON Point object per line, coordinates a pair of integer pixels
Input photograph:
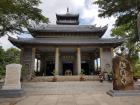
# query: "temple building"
{"type": "Point", "coordinates": [66, 47]}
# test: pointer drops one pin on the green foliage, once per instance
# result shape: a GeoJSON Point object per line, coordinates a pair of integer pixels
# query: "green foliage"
{"type": "Point", "coordinates": [126, 12]}
{"type": "Point", "coordinates": [12, 55]}
{"type": "Point", "coordinates": [16, 14]}
{"type": "Point", "coordinates": [82, 72]}
{"type": "Point", "coordinates": [2, 62]}
{"type": "Point", "coordinates": [2, 71]}
{"type": "Point", "coordinates": [2, 54]}
{"type": "Point", "coordinates": [137, 67]}
{"type": "Point", "coordinates": [55, 72]}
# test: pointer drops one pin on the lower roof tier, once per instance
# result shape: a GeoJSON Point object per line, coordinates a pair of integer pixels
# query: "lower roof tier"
{"type": "Point", "coordinates": [112, 42]}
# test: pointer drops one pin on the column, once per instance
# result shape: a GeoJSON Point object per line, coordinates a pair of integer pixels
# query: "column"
{"type": "Point", "coordinates": [78, 61]}
{"type": "Point", "coordinates": [75, 65]}
{"type": "Point", "coordinates": [106, 59]}
{"type": "Point", "coordinates": [60, 66]}
{"type": "Point", "coordinates": [92, 66]}
{"type": "Point", "coordinates": [57, 61]}
{"type": "Point", "coordinates": [28, 63]}
{"type": "Point", "coordinates": [37, 65]}
{"type": "Point", "coordinates": [97, 64]}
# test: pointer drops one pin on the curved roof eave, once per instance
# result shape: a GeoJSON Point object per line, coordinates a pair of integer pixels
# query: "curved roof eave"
{"type": "Point", "coordinates": [68, 29]}
{"type": "Point", "coordinates": [21, 42]}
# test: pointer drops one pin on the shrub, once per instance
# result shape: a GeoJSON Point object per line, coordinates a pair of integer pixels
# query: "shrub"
{"type": "Point", "coordinates": [2, 72]}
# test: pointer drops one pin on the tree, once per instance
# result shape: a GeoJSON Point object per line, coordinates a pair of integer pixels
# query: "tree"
{"type": "Point", "coordinates": [16, 14]}
{"type": "Point", "coordinates": [126, 12]}
{"type": "Point", "coordinates": [12, 55]}
{"type": "Point", "coordinates": [2, 62]}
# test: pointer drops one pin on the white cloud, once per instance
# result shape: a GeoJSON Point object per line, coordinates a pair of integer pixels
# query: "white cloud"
{"type": "Point", "coordinates": [87, 10]}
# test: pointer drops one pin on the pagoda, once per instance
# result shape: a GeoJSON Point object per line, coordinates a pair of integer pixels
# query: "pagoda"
{"type": "Point", "coordinates": [66, 46]}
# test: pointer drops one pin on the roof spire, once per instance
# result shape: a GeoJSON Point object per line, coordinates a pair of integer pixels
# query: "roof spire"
{"type": "Point", "coordinates": [67, 9]}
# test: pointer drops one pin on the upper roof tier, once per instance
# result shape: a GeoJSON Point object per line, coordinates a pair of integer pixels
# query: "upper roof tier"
{"type": "Point", "coordinates": [43, 31]}
{"type": "Point", "coordinates": [67, 24]}
{"type": "Point", "coordinates": [67, 19]}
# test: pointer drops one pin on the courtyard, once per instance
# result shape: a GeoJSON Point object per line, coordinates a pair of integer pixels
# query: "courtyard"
{"type": "Point", "coordinates": [69, 93]}
{"type": "Point", "coordinates": [70, 52]}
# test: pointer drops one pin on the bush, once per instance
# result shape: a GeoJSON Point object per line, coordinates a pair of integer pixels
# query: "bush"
{"type": "Point", "coordinates": [136, 72]}
{"type": "Point", "coordinates": [2, 72]}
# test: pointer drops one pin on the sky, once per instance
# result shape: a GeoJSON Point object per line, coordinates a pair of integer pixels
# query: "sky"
{"type": "Point", "coordinates": [85, 8]}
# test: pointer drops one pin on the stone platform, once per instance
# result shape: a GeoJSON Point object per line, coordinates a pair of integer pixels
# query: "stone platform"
{"type": "Point", "coordinates": [11, 93]}
{"type": "Point", "coordinates": [124, 93]}
{"type": "Point", "coordinates": [69, 93]}
{"type": "Point", "coordinates": [64, 78]}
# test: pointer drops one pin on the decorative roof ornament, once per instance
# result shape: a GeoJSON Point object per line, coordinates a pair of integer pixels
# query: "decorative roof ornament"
{"type": "Point", "coordinates": [67, 9]}
{"type": "Point", "coordinates": [67, 18]}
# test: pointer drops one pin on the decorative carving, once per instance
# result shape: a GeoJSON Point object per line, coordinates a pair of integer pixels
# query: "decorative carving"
{"type": "Point", "coordinates": [123, 78]}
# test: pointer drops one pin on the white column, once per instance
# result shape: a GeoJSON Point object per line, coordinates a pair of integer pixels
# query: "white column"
{"type": "Point", "coordinates": [57, 60]}
{"type": "Point", "coordinates": [78, 61]}
{"type": "Point", "coordinates": [75, 65]}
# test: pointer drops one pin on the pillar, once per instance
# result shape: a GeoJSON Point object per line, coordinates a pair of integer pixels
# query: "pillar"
{"type": "Point", "coordinates": [57, 61]}
{"type": "Point", "coordinates": [92, 66]}
{"type": "Point", "coordinates": [97, 64]}
{"type": "Point", "coordinates": [78, 61]}
{"type": "Point", "coordinates": [60, 66]}
{"type": "Point", "coordinates": [75, 65]}
{"type": "Point", "coordinates": [28, 62]}
{"type": "Point", "coordinates": [37, 64]}
{"type": "Point", "coordinates": [106, 59]}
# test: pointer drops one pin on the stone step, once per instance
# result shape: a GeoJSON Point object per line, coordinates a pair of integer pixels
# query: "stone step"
{"type": "Point", "coordinates": [64, 78]}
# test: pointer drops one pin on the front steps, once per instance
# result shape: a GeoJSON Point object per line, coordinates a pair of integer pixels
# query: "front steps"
{"type": "Point", "coordinates": [64, 78]}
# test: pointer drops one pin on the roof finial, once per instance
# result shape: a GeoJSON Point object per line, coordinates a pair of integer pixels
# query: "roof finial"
{"type": "Point", "coordinates": [67, 9]}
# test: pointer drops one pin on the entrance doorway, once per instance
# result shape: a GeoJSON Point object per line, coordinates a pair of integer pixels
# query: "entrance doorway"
{"type": "Point", "coordinates": [85, 68]}
{"type": "Point", "coordinates": [67, 66]}
{"type": "Point", "coordinates": [50, 68]}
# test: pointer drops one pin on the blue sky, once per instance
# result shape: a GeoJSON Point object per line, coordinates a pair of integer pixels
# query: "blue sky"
{"type": "Point", "coordinates": [87, 10]}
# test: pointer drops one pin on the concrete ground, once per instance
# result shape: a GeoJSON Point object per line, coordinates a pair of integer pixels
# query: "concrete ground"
{"type": "Point", "coordinates": [69, 93]}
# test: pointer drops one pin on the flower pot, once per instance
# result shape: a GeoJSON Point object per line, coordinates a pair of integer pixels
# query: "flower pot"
{"type": "Point", "coordinates": [54, 79]}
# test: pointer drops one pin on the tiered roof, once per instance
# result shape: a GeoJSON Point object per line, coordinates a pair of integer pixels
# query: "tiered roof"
{"type": "Point", "coordinates": [67, 19]}
{"type": "Point", "coordinates": [58, 29]}
{"type": "Point", "coordinates": [67, 24]}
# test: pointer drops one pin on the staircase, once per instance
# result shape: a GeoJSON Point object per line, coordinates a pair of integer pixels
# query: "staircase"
{"type": "Point", "coordinates": [65, 78]}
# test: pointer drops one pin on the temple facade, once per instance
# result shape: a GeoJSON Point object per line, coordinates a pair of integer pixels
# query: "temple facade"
{"type": "Point", "coordinates": [66, 47]}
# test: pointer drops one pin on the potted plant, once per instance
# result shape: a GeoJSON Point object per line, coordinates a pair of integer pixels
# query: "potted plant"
{"type": "Point", "coordinates": [82, 78]}
{"type": "Point", "coordinates": [110, 76]}
{"type": "Point", "coordinates": [55, 74]}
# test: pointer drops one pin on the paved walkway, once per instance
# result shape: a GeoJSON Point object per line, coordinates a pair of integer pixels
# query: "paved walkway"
{"type": "Point", "coordinates": [67, 88]}
{"type": "Point", "coordinates": [69, 93]}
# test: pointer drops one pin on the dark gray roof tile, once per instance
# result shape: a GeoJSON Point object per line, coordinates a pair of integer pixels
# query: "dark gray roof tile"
{"type": "Point", "coordinates": [63, 41]}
